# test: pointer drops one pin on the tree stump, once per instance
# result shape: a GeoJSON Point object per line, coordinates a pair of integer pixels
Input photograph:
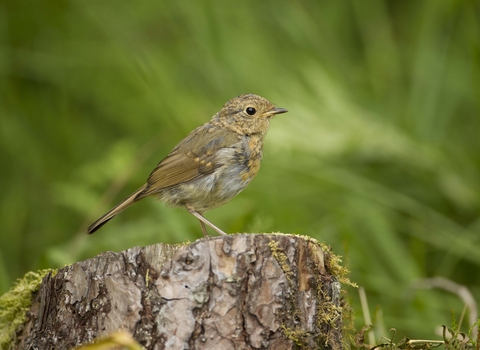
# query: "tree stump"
{"type": "Point", "coordinates": [244, 291]}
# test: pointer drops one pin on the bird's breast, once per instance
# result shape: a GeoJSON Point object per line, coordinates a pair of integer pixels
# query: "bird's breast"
{"type": "Point", "coordinates": [249, 157]}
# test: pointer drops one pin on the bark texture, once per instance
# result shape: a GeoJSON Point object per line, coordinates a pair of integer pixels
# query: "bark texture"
{"type": "Point", "coordinates": [234, 292]}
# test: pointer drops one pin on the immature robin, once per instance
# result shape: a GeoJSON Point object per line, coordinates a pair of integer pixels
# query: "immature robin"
{"type": "Point", "coordinates": [214, 163]}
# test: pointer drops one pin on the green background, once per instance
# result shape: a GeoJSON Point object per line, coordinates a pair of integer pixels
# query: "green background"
{"type": "Point", "coordinates": [378, 155]}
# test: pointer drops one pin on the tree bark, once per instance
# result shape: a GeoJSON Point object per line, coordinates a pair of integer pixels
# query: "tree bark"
{"type": "Point", "coordinates": [235, 292]}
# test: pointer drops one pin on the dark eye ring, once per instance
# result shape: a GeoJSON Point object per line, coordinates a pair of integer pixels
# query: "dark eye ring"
{"type": "Point", "coordinates": [250, 111]}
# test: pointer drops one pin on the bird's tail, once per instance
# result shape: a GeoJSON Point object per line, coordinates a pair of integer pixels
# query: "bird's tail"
{"type": "Point", "coordinates": [116, 210]}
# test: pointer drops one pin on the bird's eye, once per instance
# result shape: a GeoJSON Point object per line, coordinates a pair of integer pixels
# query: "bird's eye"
{"type": "Point", "coordinates": [251, 110]}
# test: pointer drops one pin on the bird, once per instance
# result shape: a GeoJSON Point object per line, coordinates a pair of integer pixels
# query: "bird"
{"type": "Point", "coordinates": [212, 164]}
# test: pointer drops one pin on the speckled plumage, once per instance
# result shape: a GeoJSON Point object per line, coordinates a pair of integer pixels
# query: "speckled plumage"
{"type": "Point", "coordinates": [214, 163]}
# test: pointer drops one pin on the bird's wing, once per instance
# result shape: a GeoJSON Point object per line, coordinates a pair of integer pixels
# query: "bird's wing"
{"type": "Point", "coordinates": [193, 157]}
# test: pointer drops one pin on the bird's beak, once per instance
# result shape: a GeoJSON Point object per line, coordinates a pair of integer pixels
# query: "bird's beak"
{"type": "Point", "coordinates": [275, 111]}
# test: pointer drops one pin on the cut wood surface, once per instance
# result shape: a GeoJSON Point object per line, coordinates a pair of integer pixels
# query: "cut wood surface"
{"type": "Point", "coordinates": [243, 291]}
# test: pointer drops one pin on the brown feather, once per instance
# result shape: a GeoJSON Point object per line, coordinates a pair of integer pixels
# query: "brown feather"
{"type": "Point", "coordinates": [116, 210]}
{"type": "Point", "coordinates": [188, 161]}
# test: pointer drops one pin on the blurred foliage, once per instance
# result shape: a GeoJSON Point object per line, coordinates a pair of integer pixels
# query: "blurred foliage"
{"type": "Point", "coordinates": [378, 156]}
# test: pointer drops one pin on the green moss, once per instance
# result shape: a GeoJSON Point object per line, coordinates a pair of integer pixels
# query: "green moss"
{"type": "Point", "coordinates": [282, 259]}
{"type": "Point", "coordinates": [328, 313]}
{"type": "Point", "coordinates": [15, 303]}
{"type": "Point", "coordinates": [332, 262]}
{"type": "Point", "coordinates": [295, 335]}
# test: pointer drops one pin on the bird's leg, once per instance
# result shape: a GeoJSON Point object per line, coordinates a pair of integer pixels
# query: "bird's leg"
{"type": "Point", "coordinates": [204, 221]}
{"type": "Point", "coordinates": [204, 229]}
